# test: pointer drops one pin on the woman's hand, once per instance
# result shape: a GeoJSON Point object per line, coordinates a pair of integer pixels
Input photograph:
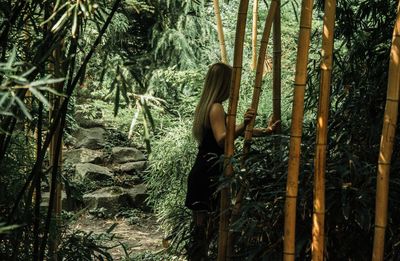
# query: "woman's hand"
{"type": "Point", "coordinates": [272, 126]}
{"type": "Point", "coordinates": [248, 116]}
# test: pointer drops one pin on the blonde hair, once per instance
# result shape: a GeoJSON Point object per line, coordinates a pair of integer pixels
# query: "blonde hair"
{"type": "Point", "coordinates": [216, 90]}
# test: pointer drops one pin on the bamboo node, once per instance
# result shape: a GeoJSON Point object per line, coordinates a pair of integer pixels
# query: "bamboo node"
{"type": "Point", "coordinates": [305, 27]}
{"type": "Point", "coordinates": [383, 163]}
{"type": "Point", "coordinates": [392, 100]}
{"type": "Point", "coordinates": [380, 226]}
{"type": "Point", "coordinates": [288, 253]}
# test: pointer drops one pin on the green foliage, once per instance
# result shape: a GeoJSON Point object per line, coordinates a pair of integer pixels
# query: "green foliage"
{"type": "Point", "coordinates": [167, 177]}
{"type": "Point", "coordinates": [80, 245]}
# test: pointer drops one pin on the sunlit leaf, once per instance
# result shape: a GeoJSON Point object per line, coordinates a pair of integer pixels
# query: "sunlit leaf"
{"type": "Point", "coordinates": [148, 115]}
{"type": "Point", "coordinates": [46, 81]}
{"type": "Point", "coordinates": [40, 96]}
{"type": "Point", "coordinates": [12, 58]}
{"type": "Point", "coordinates": [27, 73]}
{"type": "Point", "coordinates": [117, 99]}
{"type": "Point", "coordinates": [74, 22]}
{"type": "Point", "coordinates": [54, 13]}
{"type": "Point", "coordinates": [62, 20]}
{"type": "Point", "coordinates": [51, 90]}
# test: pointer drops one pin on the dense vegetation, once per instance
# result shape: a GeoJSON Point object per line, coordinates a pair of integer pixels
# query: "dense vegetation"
{"type": "Point", "coordinates": [144, 62]}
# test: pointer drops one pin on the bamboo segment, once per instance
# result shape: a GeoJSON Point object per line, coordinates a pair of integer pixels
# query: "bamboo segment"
{"type": "Point", "coordinates": [387, 141]}
{"type": "Point", "coordinates": [55, 152]}
{"type": "Point", "coordinates": [318, 235]}
{"type": "Point", "coordinates": [254, 105]}
{"type": "Point", "coordinates": [259, 72]}
{"type": "Point", "coordinates": [276, 73]}
{"type": "Point", "coordinates": [296, 130]}
{"type": "Point", "coordinates": [254, 35]}
{"type": "Point", "coordinates": [220, 31]}
{"type": "Point", "coordinates": [230, 128]}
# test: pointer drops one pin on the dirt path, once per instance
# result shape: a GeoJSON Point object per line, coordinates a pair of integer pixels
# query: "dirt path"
{"type": "Point", "coordinates": [142, 235]}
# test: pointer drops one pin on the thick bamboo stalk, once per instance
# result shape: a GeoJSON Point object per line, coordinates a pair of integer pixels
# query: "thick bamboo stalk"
{"type": "Point", "coordinates": [220, 32]}
{"type": "Point", "coordinates": [276, 73]}
{"type": "Point", "coordinates": [254, 35]}
{"type": "Point", "coordinates": [230, 129]}
{"type": "Point", "coordinates": [300, 81]}
{"type": "Point", "coordinates": [386, 147]}
{"type": "Point", "coordinates": [318, 236]}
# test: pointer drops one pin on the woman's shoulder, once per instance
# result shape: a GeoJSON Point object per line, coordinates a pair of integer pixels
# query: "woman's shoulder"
{"type": "Point", "coordinates": [217, 112]}
{"type": "Point", "coordinates": [217, 108]}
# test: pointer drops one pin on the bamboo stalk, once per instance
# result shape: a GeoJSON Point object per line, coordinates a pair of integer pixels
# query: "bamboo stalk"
{"type": "Point", "coordinates": [230, 129]}
{"type": "Point", "coordinates": [276, 73]}
{"type": "Point", "coordinates": [72, 82]}
{"type": "Point", "coordinates": [55, 152]}
{"type": "Point", "coordinates": [254, 35]}
{"type": "Point", "coordinates": [37, 182]}
{"type": "Point", "coordinates": [254, 105]}
{"type": "Point", "coordinates": [318, 236]}
{"type": "Point", "coordinates": [259, 72]}
{"type": "Point", "coordinates": [220, 32]}
{"type": "Point", "coordinates": [387, 142]}
{"type": "Point", "coordinates": [300, 81]}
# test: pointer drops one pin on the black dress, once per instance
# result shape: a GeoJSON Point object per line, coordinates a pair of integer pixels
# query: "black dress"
{"type": "Point", "coordinates": [203, 178]}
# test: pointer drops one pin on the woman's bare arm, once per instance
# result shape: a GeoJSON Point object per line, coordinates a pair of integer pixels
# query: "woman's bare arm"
{"type": "Point", "coordinates": [218, 125]}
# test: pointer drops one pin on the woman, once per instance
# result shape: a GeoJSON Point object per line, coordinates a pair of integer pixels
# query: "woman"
{"type": "Point", "coordinates": [209, 130]}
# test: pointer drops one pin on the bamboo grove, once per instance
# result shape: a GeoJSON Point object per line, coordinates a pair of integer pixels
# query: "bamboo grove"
{"type": "Point", "coordinates": [318, 237]}
{"type": "Point", "coordinates": [317, 190]}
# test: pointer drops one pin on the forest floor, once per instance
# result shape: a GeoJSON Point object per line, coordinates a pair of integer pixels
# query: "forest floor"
{"type": "Point", "coordinates": [142, 235]}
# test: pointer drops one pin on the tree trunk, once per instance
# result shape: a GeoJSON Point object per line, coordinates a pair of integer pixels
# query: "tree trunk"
{"type": "Point", "coordinates": [230, 130]}
{"type": "Point", "coordinates": [318, 235]}
{"type": "Point", "coordinates": [387, 141]}
{"type": "Point", "coordinates": [300, 81]}
{"type": "Point", "coordinates": [220, 31]}
{"type": "Point", "coordinates": [254, 35]}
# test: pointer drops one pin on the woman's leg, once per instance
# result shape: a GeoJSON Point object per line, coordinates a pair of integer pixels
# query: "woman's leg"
{"type": "Point", "coordinates": [198, 247]}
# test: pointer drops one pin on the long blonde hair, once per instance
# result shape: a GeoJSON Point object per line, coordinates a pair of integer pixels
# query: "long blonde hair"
{"type": "Point", "coordinates": [216, 90]}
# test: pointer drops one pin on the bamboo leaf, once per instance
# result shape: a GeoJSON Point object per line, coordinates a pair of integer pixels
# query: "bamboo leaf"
{"type": "Point", "coordinates": [110, 229]}
{"type": "Point", "coordinates": [27, 73]}
{"type": "Point", "coordinates": [117, 100]}
{"type": "Point", "coordinates": [11, 59]}
{"type": "Point", "coordinates": [6, 113]}
{"type": "Point", "coordinates": [148, 115]}
{"type": "Point", "coordinates": [3, 98]}
{"type": "Point", "coordinates": [146, 134]}
{"type": "Point", "coordinates": [23, 107]}
{"type": "Point", "coordinates": [61, 21]}
{"type": "Point", "coordinates": [5, 229]}
{"type": "Point", "coordinates": [74, 22]}
{"type": "Point", "coordinates": [53, 14]}
{"type": "Point", "coordinates": [40, 97]}
{"type": "Point", "coordinates": [134, 119]}
{"type": "Point", "coordinates": [83, 8]}
{"type": "Point", "coordinates": [51, 90]}
{"type": "Point", "coordinates": [45, 81]}
{"type": "Point", "coordinates": [18, 79]}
